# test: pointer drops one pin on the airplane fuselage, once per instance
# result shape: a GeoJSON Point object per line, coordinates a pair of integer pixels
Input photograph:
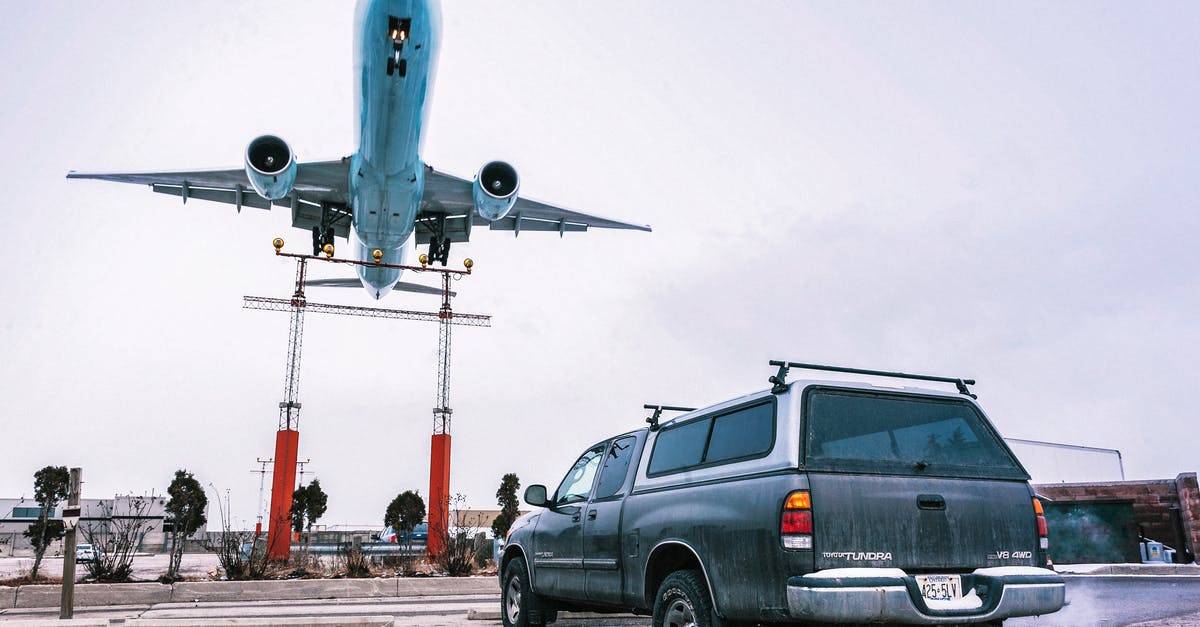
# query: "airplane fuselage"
{"type": "Point", "coordinates": [395, 51]}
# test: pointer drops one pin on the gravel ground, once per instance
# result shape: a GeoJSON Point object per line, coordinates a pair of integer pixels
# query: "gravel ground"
{"type": "Point", "coordinates": [145, 567]}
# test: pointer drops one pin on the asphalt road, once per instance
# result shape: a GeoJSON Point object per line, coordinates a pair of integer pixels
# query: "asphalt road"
{"type": "Point", "coordinates": [1147, 601]}
{"type": "Point", "coordinates": [1130, 600]}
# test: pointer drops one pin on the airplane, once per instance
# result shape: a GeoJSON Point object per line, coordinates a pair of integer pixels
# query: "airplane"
{"type": "Point", "coordinates": [383, 194]}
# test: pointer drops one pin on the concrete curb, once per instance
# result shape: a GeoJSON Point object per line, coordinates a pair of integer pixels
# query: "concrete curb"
{"type": "Point", "coordinates": [55, 622]}
{"type": "Point", "coordinates": [300, 621]}
{"type": "Point", "coordinates": [436, 586]}
{"type": "Point", "coordinates": [93, 594]}
{"type": "Point", "coordinates": [96, 594]}
{"type": "Point", "coordinates": [308, 621]}
{"type": "Point", "coordinates": [206, 591]}
{"type": "Point", "coordinates": [478, 614]}
{"type": "Point", "coordinates": [1160, 570]}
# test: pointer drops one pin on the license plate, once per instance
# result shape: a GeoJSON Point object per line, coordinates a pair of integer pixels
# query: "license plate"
{"type": "Point", "coordinates": [940, 587]}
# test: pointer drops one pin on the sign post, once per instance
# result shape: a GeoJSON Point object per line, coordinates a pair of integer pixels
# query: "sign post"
{"type": "Point", "coordinates": [70, 518]}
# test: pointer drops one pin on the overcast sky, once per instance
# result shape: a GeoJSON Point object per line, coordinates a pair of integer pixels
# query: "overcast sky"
{"type": "Point", "coordinates": [1006, 191]}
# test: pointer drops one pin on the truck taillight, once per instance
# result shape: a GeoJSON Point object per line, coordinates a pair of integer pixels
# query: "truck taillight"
{"type": "Point", "coordinates": [795, 525]}
{"type": "Point", "coordinates": [1043, 532]}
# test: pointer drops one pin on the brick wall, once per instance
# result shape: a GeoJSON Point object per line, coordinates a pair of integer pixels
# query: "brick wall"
{"type": "Point", "coordinates": [1152, 503]}
{"type": "Point", "coordinates": [1189, 502]}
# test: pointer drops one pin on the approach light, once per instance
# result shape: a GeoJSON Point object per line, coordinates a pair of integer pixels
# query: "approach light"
{"type": "Point", "coordinates": [424, 259]}
{"type": "Point", "coordinates": [328, 250]}
{"type": "Point", "coordinates": [277, 243]}
{"type": "Point", "coordinates": [468, 263]}
{"type": "Point", "coordinates": [377, 255]}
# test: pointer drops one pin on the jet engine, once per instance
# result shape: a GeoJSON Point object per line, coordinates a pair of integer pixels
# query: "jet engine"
{"type": "Point", "coordinates": [270, 166]}
{"type": "Point", "coordinates": [495, 190]}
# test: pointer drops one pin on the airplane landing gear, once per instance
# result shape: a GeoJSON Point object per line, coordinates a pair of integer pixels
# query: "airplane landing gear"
{"type": "Point", "coordinates": [439, 250]}
{"type": "Point", "coordinates": [394, 66]}
{"type": "Point", "coordinates": [321, 237]}
{"type": "Point", "coordinates": [398, 30]}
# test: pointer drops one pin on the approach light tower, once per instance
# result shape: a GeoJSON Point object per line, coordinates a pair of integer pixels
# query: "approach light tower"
{"type": "Point", "coordinates": [439, 445]}
{"type": "Point", "coordinates": [288, 435]}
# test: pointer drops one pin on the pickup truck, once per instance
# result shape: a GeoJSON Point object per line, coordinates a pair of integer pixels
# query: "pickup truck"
{"type": "Point", "coordinates": [821, 501]}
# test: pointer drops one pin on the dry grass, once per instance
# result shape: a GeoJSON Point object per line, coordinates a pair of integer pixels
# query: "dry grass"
{"type": "Point", "coordinates": [23, 578]}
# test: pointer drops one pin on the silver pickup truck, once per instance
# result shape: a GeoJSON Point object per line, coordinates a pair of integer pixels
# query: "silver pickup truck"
{"type": "Point", "coordinates": [814, 501]}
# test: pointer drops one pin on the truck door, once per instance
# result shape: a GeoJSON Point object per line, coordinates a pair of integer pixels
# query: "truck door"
{"type": "Point", "coordinates": [558, 554]}
{"type": "Point", "coordinates": [602, 523]}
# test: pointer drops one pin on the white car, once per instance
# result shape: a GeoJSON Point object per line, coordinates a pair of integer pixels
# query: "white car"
{"type": "Point", "coordinates": [85, 553]}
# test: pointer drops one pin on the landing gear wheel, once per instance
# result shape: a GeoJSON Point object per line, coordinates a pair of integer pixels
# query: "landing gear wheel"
{"type": "Point", "coordinates": [683, 601]}
{"type": "Point", "coordinates": [444, 251]}
{"type": "Point", "coordinates": [439, 250]}
{"type": "Point", "coordinates": [318, 241]}
{"type": "Point", "coordinates": [402, 67]}
{"type": "Point", "coordinates": [391, 65]}
{"type": "Point", "coordinates": [519, 605]}
{"type": "Point", "coordinates": [434, 249]}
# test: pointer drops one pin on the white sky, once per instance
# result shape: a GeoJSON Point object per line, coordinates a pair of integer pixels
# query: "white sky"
{"type": "Point", "coordinates": [1006, 191]}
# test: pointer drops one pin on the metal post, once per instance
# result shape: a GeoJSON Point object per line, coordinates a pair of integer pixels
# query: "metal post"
{"type": "Point", "coordinates": [262, 476]}
{"type": "Point", "coordinates": [439, 449]}
{"type": "Point", "coordinates": [67, 609]}
{"type": "Point", "coordinates": [287, 438]}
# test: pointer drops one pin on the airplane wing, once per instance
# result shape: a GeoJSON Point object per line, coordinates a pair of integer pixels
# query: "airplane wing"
{"type": "Point", "coordinates": [318, 184]}
{"type": "Point", "coordinates": [450, 196]}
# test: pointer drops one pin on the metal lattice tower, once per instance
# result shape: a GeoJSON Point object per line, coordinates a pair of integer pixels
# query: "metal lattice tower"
{"type": "Point", "coordinates": [287, 437]}
{"type": "Point", "coordinates": [289, 409]}
{"type": "Point", "coordinates": [441, 412]}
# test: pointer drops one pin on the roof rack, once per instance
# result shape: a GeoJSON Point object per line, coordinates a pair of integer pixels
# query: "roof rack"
{"type": "Point", "coordinates": [780, 385]}
{"type": "Point", "coordinates": [659, 409]}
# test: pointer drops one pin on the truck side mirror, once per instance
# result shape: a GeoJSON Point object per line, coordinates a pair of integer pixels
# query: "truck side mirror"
{"type": "Point", "coordinates": [535, 495]}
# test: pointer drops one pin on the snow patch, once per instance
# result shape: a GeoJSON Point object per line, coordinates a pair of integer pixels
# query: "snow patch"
{"type": "Point", "coordinates": [1013, 571]}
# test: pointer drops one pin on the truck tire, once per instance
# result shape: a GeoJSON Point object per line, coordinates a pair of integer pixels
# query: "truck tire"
{"type": "Point", "coordinates": [683, 601]}
{"type": "Point", "coordinates": [519, 605]}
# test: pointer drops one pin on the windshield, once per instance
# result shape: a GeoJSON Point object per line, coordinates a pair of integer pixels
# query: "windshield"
{"type": "Point", "coordinates": [902, 434]}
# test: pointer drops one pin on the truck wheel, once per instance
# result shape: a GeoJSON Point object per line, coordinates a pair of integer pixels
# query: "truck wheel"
{"type": "Point", "coordinates": [519, 605]}
{"type": "Point", "coordinates": [683, 601]}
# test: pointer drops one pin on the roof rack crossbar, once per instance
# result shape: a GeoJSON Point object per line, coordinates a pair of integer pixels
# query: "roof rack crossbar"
{"type": "Point", "coordinates": [659, 409]}
{"type": "Point", "coordinates": [780, 384]}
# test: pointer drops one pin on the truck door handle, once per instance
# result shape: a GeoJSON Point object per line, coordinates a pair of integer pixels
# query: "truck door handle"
{"type": "Point", "coordinates": [592, 515]}
{"type": "Point", "coordinates": [931, 501]}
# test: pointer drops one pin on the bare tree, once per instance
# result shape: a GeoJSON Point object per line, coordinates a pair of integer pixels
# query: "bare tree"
{"type": "Point", "coordinates": [457, 556]}
{"type": "Point", "coordinates": [117, 537]}
{"type": "Point", "coordinates": [240, 553]}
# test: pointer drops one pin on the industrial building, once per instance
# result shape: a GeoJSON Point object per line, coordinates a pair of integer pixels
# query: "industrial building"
{"type": "Point", "coordinates": [97, 515]}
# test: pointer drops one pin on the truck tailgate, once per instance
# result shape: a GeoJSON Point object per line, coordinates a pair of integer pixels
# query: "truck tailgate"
{"type": "Point", "coordinates": [923, 523]}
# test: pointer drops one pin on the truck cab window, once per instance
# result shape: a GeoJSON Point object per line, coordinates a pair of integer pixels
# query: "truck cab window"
{"type": "Point", "coordinates": [615, 467]}
{"type": "Point", "coordinates": [577, 484]}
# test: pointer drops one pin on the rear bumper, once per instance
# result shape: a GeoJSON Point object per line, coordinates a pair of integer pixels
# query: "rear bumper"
{"type": "Point", "coordinates": [856, 595]}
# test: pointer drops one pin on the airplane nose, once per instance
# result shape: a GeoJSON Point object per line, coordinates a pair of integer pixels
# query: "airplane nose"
{"type": "Point", "coordinates": [378, 281]}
